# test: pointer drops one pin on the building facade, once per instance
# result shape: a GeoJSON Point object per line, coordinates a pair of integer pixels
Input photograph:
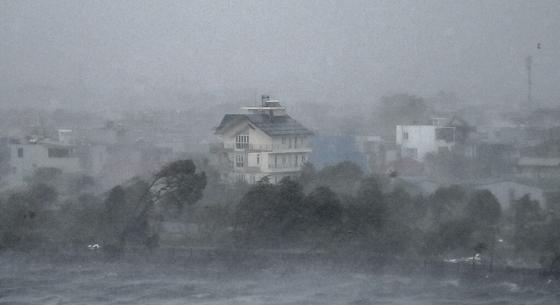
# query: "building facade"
{"type": "Point", "coordinates": [265, 142]}
{"type": "Point", "coordinates": [416, 141]}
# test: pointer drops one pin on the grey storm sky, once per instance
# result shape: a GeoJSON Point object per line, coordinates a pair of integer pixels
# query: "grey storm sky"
{"type": "Point", "coordinates": [328, 50]}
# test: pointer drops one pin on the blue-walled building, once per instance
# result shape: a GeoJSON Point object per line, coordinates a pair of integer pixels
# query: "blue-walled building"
{"type": "Point", "coordinates": [329, 150]}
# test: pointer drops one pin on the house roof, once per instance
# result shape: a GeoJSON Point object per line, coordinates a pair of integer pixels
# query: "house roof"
{"type": "Point", "coordinates": [272, 126]}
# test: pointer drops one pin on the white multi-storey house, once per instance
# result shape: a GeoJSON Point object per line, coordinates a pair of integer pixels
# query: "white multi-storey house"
{"type": "Point", "coordinates": [416, 141]}
{"type": "Point", "coordinates": [265, 142]}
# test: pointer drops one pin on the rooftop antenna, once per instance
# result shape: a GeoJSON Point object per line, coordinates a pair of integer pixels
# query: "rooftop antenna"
{"type": "Point", "coordinates": [529, 66]}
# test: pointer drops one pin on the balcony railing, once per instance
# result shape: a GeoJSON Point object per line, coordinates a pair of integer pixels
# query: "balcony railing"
{"type": "Point", "coordinates": [264, 147]}
{"type": "Point", "coordinates": [290, 166]}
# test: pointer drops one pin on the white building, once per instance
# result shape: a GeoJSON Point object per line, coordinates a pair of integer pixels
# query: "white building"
{"type": "Point", "coordinates": [26, 156]}
{"type": "Point", "coordinates": [416, 141]}
{"type": "Point", "coordinates": [266, 142]}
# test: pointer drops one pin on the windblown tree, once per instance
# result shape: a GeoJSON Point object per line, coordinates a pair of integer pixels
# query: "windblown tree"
{"type": "Point", "coordinates": [177, 184]}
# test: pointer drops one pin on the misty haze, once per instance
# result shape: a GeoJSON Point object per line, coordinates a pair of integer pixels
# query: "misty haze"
{"type": "Point", "coordinates": [279, 152]}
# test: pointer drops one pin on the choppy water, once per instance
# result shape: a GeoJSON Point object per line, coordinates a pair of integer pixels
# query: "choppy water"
{"type": "Point", "coordinates": [26, 280]}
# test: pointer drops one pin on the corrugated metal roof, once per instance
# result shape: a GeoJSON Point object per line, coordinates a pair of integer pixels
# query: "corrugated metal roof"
{"type": "Point", "coordinates": [273, 126]}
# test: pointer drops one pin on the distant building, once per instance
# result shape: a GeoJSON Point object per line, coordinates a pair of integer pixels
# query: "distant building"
{"type": "Point", "coordinates": [507, 192]}
{"type": "Point", "coordinates": [380, 154]}
{"type": "Point", "coordinates": [26, 156]}
{"type": "Point", "coordinates": [266, 142]}
{"type": "Point", "coordinates": [538, 168]}
{"type": "Point", "coordinates": [416, 141]}
{"type": "Point", "coordinates": [332, 149]}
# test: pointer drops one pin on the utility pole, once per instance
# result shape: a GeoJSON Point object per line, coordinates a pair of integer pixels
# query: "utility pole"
{"type": "Point", "coordinates": [529, 65]}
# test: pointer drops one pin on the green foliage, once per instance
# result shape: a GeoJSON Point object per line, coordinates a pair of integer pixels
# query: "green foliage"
{"type": "Point", "coordinates": [24, 215]}
{"type": "Point", "coordinates": [370, 202]}
{"type": "Point", "coordinates": [551, 238]}
{"type": "Point", "coordinates": [357, 213]}
{"type": "Point", "coordinates": [446, 203]}
{"type": "Point", "coordinates": [255, 212]}
{"type": "Point", "coordinates": [323, 208]}
{"type": "Point", "coordinates": [528, 224]}
{"type": "Point", "coordinates": [450, 236]}
{"type": "Point", "coordinates": [341, 177]}
{"type": "Point", "coordinates": [83, 220]}
{"type": "Point", "coordinates": [483, 208]}
{"type": "Point", "coordinates": [180, 184]}
{"type": "Point", "coordinates": [269, 214]}
{"type": "Point", "coordinates": [42, 193]}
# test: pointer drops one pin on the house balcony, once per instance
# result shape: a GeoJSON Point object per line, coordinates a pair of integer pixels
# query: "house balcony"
{"type": "Point", "coordinates": [277, 148]}
{"type": "Point", "coordinates": [247, 169]}
{"type": "Point", "coordinates": [283, 168]}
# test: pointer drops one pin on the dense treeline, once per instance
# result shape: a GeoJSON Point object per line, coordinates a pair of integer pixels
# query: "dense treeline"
{"type": "Point", "coordinates": [337, 208]}
{"type": "Point", "coordinates": [37, 216]}
{"type": "Point", "coordinates": [377, 215]}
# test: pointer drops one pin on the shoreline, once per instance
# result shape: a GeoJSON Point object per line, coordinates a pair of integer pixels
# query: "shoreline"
{"type": "Point", "coordinates": [236, 260]}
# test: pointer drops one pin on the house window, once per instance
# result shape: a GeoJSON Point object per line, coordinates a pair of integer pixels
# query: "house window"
{"type": "Point", "coordinates": [405, 135]}
{"type": "Point", "coordinates": [445, 134]}
{"type": "Point", "coordinates": [241, 141]}
{"type": "Point", "coordinates": [284, 161]}
{"type": "Point", "coordinates": [295, 142]}
{"type": "Point", "coordinates": [239, 161]}
{"type": "Point", "coordinates": [20, 152]}
{"type": "Point", "coordinates": [58, 153]}
{"type": "Point", "coordinates": [283, 140]}
{"type": "Point", "coordinates": [258, 159]}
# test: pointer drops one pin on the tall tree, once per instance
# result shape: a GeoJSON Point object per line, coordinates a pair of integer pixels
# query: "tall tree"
{"type": "Point", "coordinates": [528, 224]}
{"type": "Point", "coordinates": [177, 182]}
{"type": "Point", "coordinates": [446, 202]}
{"type": "Point", "coordinates": [483, 208]}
